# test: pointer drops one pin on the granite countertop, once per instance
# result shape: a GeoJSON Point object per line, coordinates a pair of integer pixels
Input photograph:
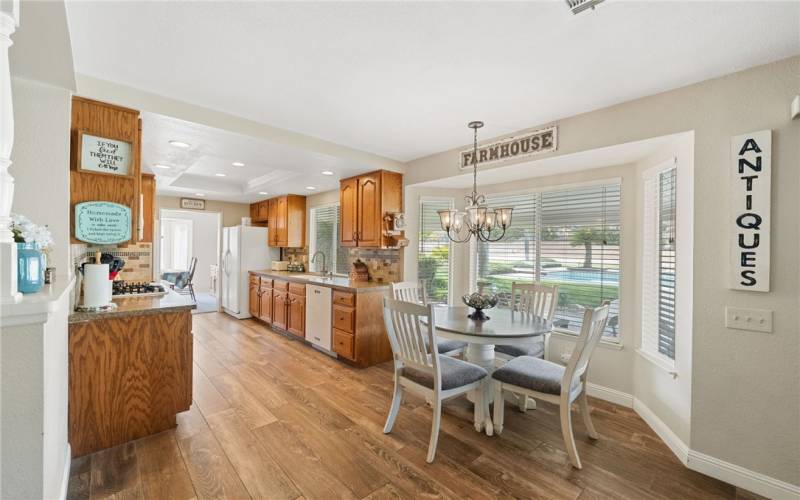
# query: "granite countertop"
{"type": "Point", "coordinates": [337, 282]}
{"type": "Point", "coordinates": [137, 306]}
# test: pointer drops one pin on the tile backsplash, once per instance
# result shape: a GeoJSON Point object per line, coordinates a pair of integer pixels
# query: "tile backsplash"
{"type": "Point", "coordinates": [138, 258]}
{"type": "Point", "coordinates": [385, 265]}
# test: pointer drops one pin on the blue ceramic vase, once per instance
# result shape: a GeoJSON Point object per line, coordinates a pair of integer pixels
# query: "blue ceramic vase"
{"type": "Point", "coordinates": [30, 268]}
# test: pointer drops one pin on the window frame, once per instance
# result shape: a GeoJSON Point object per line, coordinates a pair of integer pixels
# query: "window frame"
{"type": "Point", "coordinates": [654, 356]}
{"type": "Point", "coordinates": [312, 233]}
{"type": "Point", "coordinates": [615, 343]}
{"type": "Point", "coordinates": [450, 261]}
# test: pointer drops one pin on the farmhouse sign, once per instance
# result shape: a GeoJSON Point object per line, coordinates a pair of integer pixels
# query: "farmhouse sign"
{"type": "Point", "coordinates": [534, 143]}
{"type": "Point", "coordinates": [102, 222]}
{"type": "Point", "coordinates": [750, 176]}
{"type": "Point", "coordinates": [193, 203]}
{"type": "Point", "coordinates": [106, 156]}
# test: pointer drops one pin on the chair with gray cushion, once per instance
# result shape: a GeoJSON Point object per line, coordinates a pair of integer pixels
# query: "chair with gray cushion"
{"type": "Point", "coordinates": [410, 291]}
{"type": "Point", "coordinates": [530, 299]}
{"type": "Point", "coordinates": [411, 330]}
{"type": "Point", "coordinates": [528, 376]}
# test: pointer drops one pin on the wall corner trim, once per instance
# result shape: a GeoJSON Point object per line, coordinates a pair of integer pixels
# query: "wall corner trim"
{"type": "Point", "coordinates": [741, 477]}
{"type": "Point", "coordinates": [676, 444]}
{"type": "Point", "coordinates": [714, 467]}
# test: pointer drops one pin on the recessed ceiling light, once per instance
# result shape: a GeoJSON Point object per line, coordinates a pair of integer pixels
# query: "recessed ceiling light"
{"type": "Point", "coordinates": [220, 175]}
{"type": "Point", "coordinates": [310, 188]}
{"type": "Point", "coordinates": [326, 172]}
{"type": "Point", "coordinates": [263, 192]}
{"type": "Point", "coordinates": [237, 164]}
{"type": "Point", "coordinates": [199, 194]}
{"type": "Point", "coordinates": [180, 144]}
{"type": "Point", "coordinates": [159, 165]}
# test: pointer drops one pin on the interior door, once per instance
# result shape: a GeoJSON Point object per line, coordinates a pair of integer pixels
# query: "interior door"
{"type": "Point", "coordinates": [369, 210]}
{"type": "Point", "coordinates": [348, 206]}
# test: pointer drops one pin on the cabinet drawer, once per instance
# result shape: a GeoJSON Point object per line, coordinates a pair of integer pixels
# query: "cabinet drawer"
{"type": "Point", "coordinates": [344, 318]}
{"type": "Point", "coordinates": [344, 298]}
{"type": "Point", "coordinates": [254, 279]}
{"type": "Point", "coordinates": [297, 289]}
{"type": "Point", "coordinates": [266, 283]}
{"type": "Point", "coordinates": [280, 285]}
{"type": "Point", "coordinates": [343, 344]}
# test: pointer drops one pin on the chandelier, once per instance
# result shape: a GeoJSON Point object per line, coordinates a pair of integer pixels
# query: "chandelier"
{"type": "Point", "coordinates": [477, 219]}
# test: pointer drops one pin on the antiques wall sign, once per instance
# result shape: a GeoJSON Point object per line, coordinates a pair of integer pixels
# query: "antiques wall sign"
{"type": "Point", "coordinates": [102, 222]}
{"type": "Point", "coordinates": [193, 203]}
{"type": "Point", "coordinates": [750, 190]}
{"type": "Point", "coordinates": [103, 155]}
{"type": "Point", "coordinates": [533, 143]}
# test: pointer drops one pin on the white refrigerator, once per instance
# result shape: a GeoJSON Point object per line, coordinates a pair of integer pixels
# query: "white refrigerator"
{"type": "Point", "coordinates": [244, 248]}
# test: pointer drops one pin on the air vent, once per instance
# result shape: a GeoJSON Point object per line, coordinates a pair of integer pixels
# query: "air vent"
{"type": "Point", "coordinates": [578, 6]}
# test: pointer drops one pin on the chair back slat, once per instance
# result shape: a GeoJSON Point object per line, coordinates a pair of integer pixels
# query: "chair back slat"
{"type": "Point", "coordinates": [410, 328]}
{"type": "Point", "coordinates": [594, 323]}
{"type": "Point", "coordinates": [409, 291]}
{"type": "Point", "coordinates": [534, 299]}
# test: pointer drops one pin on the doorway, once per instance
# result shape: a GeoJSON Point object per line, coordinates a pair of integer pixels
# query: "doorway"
{"type": "Point", "coordinates": [184, 235]}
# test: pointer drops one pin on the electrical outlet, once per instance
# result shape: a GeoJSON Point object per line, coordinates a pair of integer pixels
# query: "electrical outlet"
{"type": "Point", "coordinates": [754, 320]}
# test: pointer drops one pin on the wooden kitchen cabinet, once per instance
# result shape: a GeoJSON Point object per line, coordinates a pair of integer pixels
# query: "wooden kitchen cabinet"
{"type": "Point", "coordinates": [272, 210]}
{"type": "Point", "coordinates": [280, 300]}
{"type": "Point", "coordinates": [290, 221]}
{"type": "Point", "coordinates": [148, 195]}
{"type": "Point", "coordinates": [363, 202]}
{"type": "Point", "coordinates": [254, 292]}
{"type": "Point", "coordinates": [296, 316]}
{"type": "Point", "coordinates": [265, 301]}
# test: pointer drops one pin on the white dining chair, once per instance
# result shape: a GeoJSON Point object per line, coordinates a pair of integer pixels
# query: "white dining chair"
{"type": "Point", "coordinates": [548, 381]}
{"type": "Point", "coordinates": [409, 291]}
{"type": "Point", "coordinates": [435, 377]}
{"type": "Point", "coordinates": [531, 299]}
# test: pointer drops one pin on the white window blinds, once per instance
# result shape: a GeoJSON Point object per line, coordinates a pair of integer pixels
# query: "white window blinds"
{"type": "Point", "coordinates": [568, 238]}
{"type": "Point", "coordinates": [658, 276]}
{"type": "Point", "coordinates": [325, 238]}
{"type": "Point", "coordinates": [433, 267]}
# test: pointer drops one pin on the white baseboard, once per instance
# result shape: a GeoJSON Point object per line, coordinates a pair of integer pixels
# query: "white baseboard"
{"type": "Point", "coordinates": [741, 477]}
{"type": "Point", "coordinates": [676, 444]}
{"type": "Point", "coordinates": [62, 492]}
{"type": "Point", "coordinates": [610, 395]}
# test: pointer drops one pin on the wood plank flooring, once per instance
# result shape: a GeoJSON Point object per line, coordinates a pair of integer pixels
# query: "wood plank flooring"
{"type": "Point", "coordinates": [273, 418]}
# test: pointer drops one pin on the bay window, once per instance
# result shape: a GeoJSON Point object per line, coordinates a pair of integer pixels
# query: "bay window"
{"type": "Point", "coordinates": [565, 237]}
{"type": "Point", "coordinates": [433, 267]}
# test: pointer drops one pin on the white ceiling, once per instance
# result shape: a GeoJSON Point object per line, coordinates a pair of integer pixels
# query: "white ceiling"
{"type": "Point", "coordinates": [268, 167]}
{"type": "Point", "coordinates": [402, 79]}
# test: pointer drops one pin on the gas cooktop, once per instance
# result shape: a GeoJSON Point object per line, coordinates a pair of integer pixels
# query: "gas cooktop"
{"type": "Point", "coordinates": [139, 289]}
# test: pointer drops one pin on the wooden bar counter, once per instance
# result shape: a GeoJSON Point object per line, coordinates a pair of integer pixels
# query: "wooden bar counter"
{"type": "Point", "coordinates": [130, 370]}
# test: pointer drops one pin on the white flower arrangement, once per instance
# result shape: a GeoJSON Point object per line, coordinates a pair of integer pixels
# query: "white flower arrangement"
{"type": "Point", "coordinates": [25, 231]}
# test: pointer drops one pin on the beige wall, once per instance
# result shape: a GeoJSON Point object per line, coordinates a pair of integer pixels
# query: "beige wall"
{"type": "Point", "coordinates": [232, 213]}
{"type": "Point", "coordinates": [40, 162]}
{"type": "Point", "coordinates": [745, 386]}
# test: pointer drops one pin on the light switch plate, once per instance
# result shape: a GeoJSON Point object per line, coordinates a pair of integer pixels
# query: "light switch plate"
{"type": "Point", "coordinates": [754, 320]}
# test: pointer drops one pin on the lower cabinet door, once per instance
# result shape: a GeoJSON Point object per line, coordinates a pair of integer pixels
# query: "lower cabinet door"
{"type": "Point", "coordinates": [254, 301]}
{"type": "Point", "coordinates": [297, 315]}
{"type": "Point", "coordinates": [265, 300]}
{"type": "Point", "coordinates": [279, 306]}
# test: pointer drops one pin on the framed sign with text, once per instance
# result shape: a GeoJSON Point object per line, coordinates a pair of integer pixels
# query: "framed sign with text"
{"type": "Point", "coordinates": [101, 155]}
{"type": "Point", "coordinates": [523, 146]}
{"type": "Point", "coordinates": [750, 192]}
{"type": "Point", "coordinates": [193, 204]}
{"type": "Point", "coordinates": [102, 222]}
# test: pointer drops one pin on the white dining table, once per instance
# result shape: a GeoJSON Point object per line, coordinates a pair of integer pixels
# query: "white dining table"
{"type": "Point", "coordinates": [504, 327]}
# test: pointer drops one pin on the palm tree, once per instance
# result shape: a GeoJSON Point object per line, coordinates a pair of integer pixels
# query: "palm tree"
{"type": "Point", "coordinates": [586, 236]}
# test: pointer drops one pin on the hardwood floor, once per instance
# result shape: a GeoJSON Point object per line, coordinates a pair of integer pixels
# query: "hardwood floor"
{"type": "Point", "coordinates": [273, 418]}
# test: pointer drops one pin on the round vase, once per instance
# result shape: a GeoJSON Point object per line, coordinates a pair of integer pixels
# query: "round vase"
{"type": "Point", "coordinates": [30, 268]}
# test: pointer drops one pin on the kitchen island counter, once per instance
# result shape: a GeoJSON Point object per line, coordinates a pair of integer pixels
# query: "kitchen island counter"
{"type": "Point", "coordinates": [133, 305]}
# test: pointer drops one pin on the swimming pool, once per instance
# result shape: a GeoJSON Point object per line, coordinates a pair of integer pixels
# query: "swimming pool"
{"type": "Point", "coordinates": [596, 276]}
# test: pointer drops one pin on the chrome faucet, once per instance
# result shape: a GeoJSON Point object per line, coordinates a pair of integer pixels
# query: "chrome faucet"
{"type": "Point", "coordinates": [324, 261]}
